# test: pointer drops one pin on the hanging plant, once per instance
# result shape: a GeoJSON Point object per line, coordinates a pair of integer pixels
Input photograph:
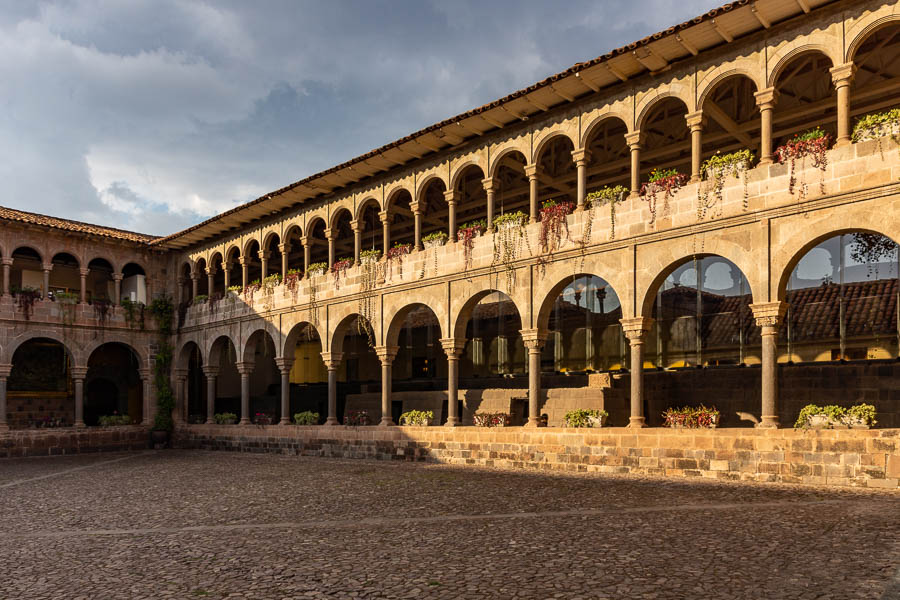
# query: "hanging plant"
{"type": "Point", "coordinates": [432, 241]}
{"type": "Point", "coordinates": [814, 143]}
{"type": "Point", "coordinates": [292, 283]}
{"type": "Point", "coordinates": [715, 170]}
{"type": "Point", "coordinates": [317, 269]}
{"type": "Point", "coordinates": [396, 254]}
{"type": "Point", "coordinates": [134, 312]}
{"type": "Point", "coordinates": [467, 234]}
{"type": "Point", "coordinates": [369, 270]}
{"type": "Point", "coordinates": [213, 303]}
{"type": "Point", "coordinates": [608, 195]}
{"type": "Point", "coordinates": [161, 309]}
{"type": "Point", "coordinates": [67, 303]}
{"type": "Point", "coordinates": [101, 310]}
{"type": "Point", "coordinates": [554, 224]}
{"type": "Point", "coordinates": [25, 299]}
{"type": "Point", "coordinates": [250, 290]}
{"type": "Point", "coordinates": [268, 287]}
{"type": "Point", "coordinates": [232, 294]}
{"type": "Point", "coordinates": [369, 256]}
{"type": "Point", "coordinates": [339, 268]}
{"type": "Point", "coordinates": [877, 126]}
{"type": "Point", "coordinates": [510, 230]}
{"type": "Point", "coordinates": [664, 181]}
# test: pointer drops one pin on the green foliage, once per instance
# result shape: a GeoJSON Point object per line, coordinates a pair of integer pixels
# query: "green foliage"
{"type": "Point", "coordinates": [114, 420]}
{"type": "Point", "coordinates": [607, 195]}
{"type": "Point", "coordinates": [435, 236]}
{"type": "Point", "coordinates": [200, 299]}
{"type": "Point", "coordinates": [417, 417]}
{"type": "Point", "coordinates": [836, 415]}
{"type": "Point", "coordinates": [876, 125]}
{"type": "Point", "coordinates": [862, 412]}
{"type": "Point", "coordinates": [515, 218]}
{"type": "Point", "coordinates": [658, 174]}
{"type": "Point", "coordinates": [225, 418]}
{"type": "Point", "coordinates": [318, 266]}
{"type": "Point", "coordinates": [583, 417]}
{"type": "Point", "coordinates": [234, 289]}
{"type": "Point", "coordinates": [700, 417]}
{"type": "Point", "coordinates": [812, 134]}
{"type": "Point", "coordinates": [477, 223]}
{"type": "Point", "coordinates": [272, 280]}
{"type": "Point", "coordinates": [163, 312]}
{"type": "Point", "coordinates": [306, 417]}
{"type": "Point", "coordinates": [732, 162]}
{"type": "Point", "coordinates": [373, 253]}
{"type": "Point", "coordinates": [66, 297]}
{"type": "Point", "coordinates": [134, 313]}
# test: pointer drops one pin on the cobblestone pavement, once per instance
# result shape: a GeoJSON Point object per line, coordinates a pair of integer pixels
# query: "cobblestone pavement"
{"type": "Point", "coordinates": [176, 524]}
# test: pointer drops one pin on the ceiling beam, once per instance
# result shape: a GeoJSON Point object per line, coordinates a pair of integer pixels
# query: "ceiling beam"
{"type": "Point", "coordinates": [803, 4]}
{"type": "Point", "coordinates": [759, 16]}
{"type": "Point", "coordinates": [723, 33]}
{"type": "Point", "coordinates": [586, 81]}
{"type": "Point", "coordinates": [560, 94]}
{"type": "Point", "coordinates": [491, 121]}
{"type": "Point", "coordinates": [687, 45]}
{"type": "Point", "coordinates": [617, 73]}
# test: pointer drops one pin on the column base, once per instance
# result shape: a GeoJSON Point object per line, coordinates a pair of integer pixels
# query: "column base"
{"type": "Point", "coordinates": [768, 422]}
{"type": "Point", "coordinates": [332, 421]}
{"type": "Point", "coordinates": [244, 421]}
{"type": "Point", "coordinates": [579, 208]}
{"type": "Point", "coordinates": [209, 422]}
{"type": "Point", "coordinates": [766, 160]}
{"type": "Point", "coordinates": [284, 421]}
{"type": "Point", "coordinates": [79, 425]}
{"type": "Point", "coordinates": [636, 422]}
{"type": "Point", "coordinates": [695, 179]}
{"type": "Point", "coordinates": [386, 423]}
{"type": "Point", "coordinates": [452, 422]}
{"type": "Point", "coordinates": [842, 142]}
{"type": "Point", "coordinates": [534, 422]}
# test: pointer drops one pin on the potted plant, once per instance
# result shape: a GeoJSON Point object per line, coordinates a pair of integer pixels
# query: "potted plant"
{"type": "Point", "coordinates": [357, 418]}
{"type": "Point", "coordinates": [317, 268]}
{"type": "Point", "coordinates": [251, 289]}
{"type": "Point", "coordinates": [586, 418]}
{"type": "Point", "coordinates": [396, 254]}
{"type": "Point", "coordinates": [306, 417]}
{"type": "Point", "coordinates": [225, 418]}
{"type": "Point", "coordinates": [715, 170]}
{"type": "Point", "coordinates": [434, 239]}
{"type": "Point", "coordinates": [690, 417]}
{"type": "Point", "coordinates": [860, 416]}
{"type": "Point", "coordinates": [467, 234]}
{"type": "Point", "coordinates": [553, 224]}
{"type": "Point", "coordinates": [610, 195]}
{"type": "Point", "coordinates": [417, 418]}
{"type": "Point", "coordinates": [485, 419]}
{"type": "Point", "coordinates": [367, 257]}
{"type": "Point", "coordinates": [814, 143]}
{"type": "Point", "coordinates": [665, 182]}
{"type": "Point", "coordinates": [114, 420]}
{"type": "Point", "coordinates": [812, 416]}
{"type": "Point", "coordinates": [877, 126]}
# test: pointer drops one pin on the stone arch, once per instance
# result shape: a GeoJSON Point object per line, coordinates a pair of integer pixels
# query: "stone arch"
{"type": "Point", "coordinates": [247, 343]}
{"type": "Point", "coordinates": [548, 138]}
{"type": "Point", "coordinates": [651, 103]}
{"type": "Point", "coordinates": [293, 336]}
{"type": "Point", "coordinates": [213, 351]}
{"type": "Point", "coordinates": [183, 356]}
{"type": "Point", "coordinates": [788, 56]}
{"type": "Point", "coordinates": [344, 325]}
{"type": "Point", "coordinates": [394, 194]}
{"type": "Point", "coordinates": [428, 180]}
{"type": "Point", "coordinates": [369, 200]}
{"type": "Point", "coordinates": [245, 249]}
{"type": "Point", "coordinates": [340, 212]}
{"type": "Point", "coordinates": [461, 168]}
{"type": "Point", "coordinates": [865, 27]}
{"type": "Point", "coordinates": [292, 229]}
{"type": "Point", "coordinates": [116, 267]}
{"type": "Point", "coordinates": [560, 275]}
{"type": "Point", "coordinates": [720, 74]}
{"type": "Point", "coordinates": [497, 160]}
{"type": "Point", "coordinates": [313, 222]}
{"type": "Point", "coordinates": [459, 317]}
{"type": "Point", "coordinates": [597, 121]}
{"type": "Point", "coordinates": [76, 356]}
{"type": "Point", "coordinates": [398, 317]}
{"type": "Point", "coordinates": [117, 338]}
{"type": "Point", "coordinates": [267, 238]}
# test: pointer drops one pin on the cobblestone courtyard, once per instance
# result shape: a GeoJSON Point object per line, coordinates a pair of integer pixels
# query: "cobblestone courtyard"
{"type": "Point", "coordinates": [178, 524]}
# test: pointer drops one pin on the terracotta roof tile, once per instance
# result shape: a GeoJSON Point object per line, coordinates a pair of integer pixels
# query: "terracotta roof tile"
{"type": "Point", "coordinates": [20, 216]}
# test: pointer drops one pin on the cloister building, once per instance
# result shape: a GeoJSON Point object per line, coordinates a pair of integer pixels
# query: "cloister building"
{"type": "Point", "coordinates": [757, 292]}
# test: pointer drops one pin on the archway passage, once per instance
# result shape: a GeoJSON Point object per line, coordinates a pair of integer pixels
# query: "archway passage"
{"type": "Point", "coordinates": [134, 283]}
{"type": "Point", "coordinates": [805, 97]}
{"type": "Point", "coordinates": [342, 232]}
{"type": "Point", "coordinates": [420, 368]}
{"type": "Point", "coordinates": [187, 285]}
{"type": "Point", "coordinates": [372, 237]}
{"type": "Point", "coordinates": [223, 357]}
{"type": "Point", "coordinates": [265, 379]}
{"type": "Point", "coordinates": [471, 198]}
{"type": "Point", "coordinates": [253, 262]}
{"type": "Point", "coordinates": [27, 270]}
{"type": "Point", "coordinates": [877, 62]}
{"type": "Point", "coordinates": [100, 285]}
{"type": "Point", "coordinates": [193, 396]}
{"type": "Point", "coordinates": [218, 281]}
{"type": "Point", "coordinates": [512, 184]}
{"type": "Point", "coordinates": [65, 278]}
{"type": "Point", "coordinates": [731, 117]}
{"type": "Point", "coordinates": [273, 256]}
{"type": "Point", "coordinates": [556, 172]}
{"type": "Point", "coordinates": [435, 209]}
{"type": "Point", "coordinates": [202, 277]}
{"type": "Point", "coordinates": [609, 163]}
{"type": "Point", "coordinates": [403, 224]}
{"type": "Point", "coordinates": [308, 377]}
{"type": "Point", "coordinates": [665, 138]}
{"type": "Point", "coordinates": [318, 245]}
{"type": "Point", "coordinates": [359, 374]}
{"type": "Point", "coordinates": [584, 333]}
{"type": "Point", "coordinates": [39, 388]}
{"type": "Point", "coordinates": [113, 384]}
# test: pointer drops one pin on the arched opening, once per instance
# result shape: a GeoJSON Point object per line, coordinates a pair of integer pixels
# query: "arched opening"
{"type": "Point", "coordinates": [665, 138]}
{"type": "Point", "coordinates": [233, 266]}
{"type": "Point", "coordinates": [65, 278]}
{"type": "Point", "coordinates": [360, 371]}
{"type": "Point", "coordinates": [27, 271]}
{"type": "Point", "coordinates": [308, 377]}
{"type": "Point", "coordinates": [202, 278]}
{"type": "Point", "coordinates": [419, 373]}
{"type": "Point", "coordinates": [731, 117]}
{"type": "Point", "coordinates": [100, 283]}
{"type": "Point", "coordinates": [471, 198]}
{"type": "Point", "coordinates": [218, 287]}
{"type": "Point", "coordinates": [610, 157]}
{"type": "Point", "coordinates": [40, 392]}
{"type": "Point", "coordinates": [253, 262]}
{"type": "Point", "coordinates": [805, 97]}
{"type": "Point", "coordinates": [556, 172]}
{"type": "Point", "coordinates": [194, 394]}
{"type": "Point", "coordinates": [403, 223]}
{"type": "Point", "coordinates": [224, 356]}
{"type": "Point", "coordinates": [512, 184]}
{"type": "Point", "coordinates": [372, 231]}
{"type": "Point", "coordinates": [436, 211]}
{"type": "Point", "coordinates": [273, 256]}
{"type": "Point", "coordinates": [342, 231]}
{"type": "Point", "coordinates": [134, 283]}
{"type": "Point", "coordinates": [295, 249]}
{"type": "Point", "coordinates": [265, 379]}
{"type": "Point", "coordinates": [877, 61]}
{"type": "Point", "coordinates": [702, 325]}
{"type": "Point", "coordinates": [187, 285]}
{"type": "Point", "coordinates": [584, 333]}
{"type": "Point", "coordinates": [842, 300]}
{"type": "Point", "coordinates": [318, 244]}
{"type": "Point", "coordinates": [113, 384]}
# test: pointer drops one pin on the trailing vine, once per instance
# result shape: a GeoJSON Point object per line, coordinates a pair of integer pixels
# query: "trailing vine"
{"type": "Point", "coordinates": [467, 234]}
{"type": "Point", "coordinates": [250, 290]}
{"type": "Point", "coordinates": [431, 242]}
{"type": "Point", "coordinates": [213, 303]}
{"type": "Point", "coordinates": [876, 126]}
{"type": "Point", "coordinates": [162, 309]}
{"type": "Point", "coordinates": [554, 224]}
{"type": "Point", "coordinates": [814, 143]}
{"type": "Point", "coordinates": [134, 313]}
{"type": "Point", "coordinates": [369, 266]}
{"type": "Point", "coordinates": [609, 195]}
{"type": "Point", "coordinates": [67, 303]}
{"type": "Point", "coordinates": [292, 283]}
{"type": "Point", "coordinates": [716, 169]}
{"type": "Point", "coordinates": [314, 270]}
{"type": "Point", "coordinates": [339, 268]}
{"type": "Point", "coordinates": [25, 299]}
{"type": "Point", "coordinates": [666, 182]}
{"type": "Point", "coordinates": [508, 235]}
{"type": "Point", "coordinates": [101, 310]}
{"type": "Point", "coordinates": [396, 254]}
{"type": "Point", "coordinates": [268, 288]}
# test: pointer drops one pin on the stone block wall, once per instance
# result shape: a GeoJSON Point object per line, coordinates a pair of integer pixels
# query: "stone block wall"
{"type": "Point", "coordinates": [67, 440]}
{"type": "Point", "coordinates": [862, 458]}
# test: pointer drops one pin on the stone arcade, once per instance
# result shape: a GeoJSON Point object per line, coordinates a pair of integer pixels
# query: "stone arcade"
{"type": "Point", "coordinates": [751, 297]}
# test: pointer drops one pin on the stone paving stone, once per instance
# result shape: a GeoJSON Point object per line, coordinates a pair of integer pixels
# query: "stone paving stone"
{"type": "Point", "coordinates": [215, 525]}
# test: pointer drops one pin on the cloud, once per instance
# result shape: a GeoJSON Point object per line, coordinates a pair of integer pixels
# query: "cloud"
{"type": "Point", "coordinates": [153, 115]}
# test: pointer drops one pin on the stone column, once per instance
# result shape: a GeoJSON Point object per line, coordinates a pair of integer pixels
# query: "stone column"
{"type": "Point", "coordinates": [187, 400]}
{"type": "Point", "coordinates": [330, 235]}
{"type": "Point", "coordinates": [386, 355]}
{"type": "Point", "coordinates": [78, 375]}
{"type": "Point", "coordinates": [332, 362]}
{"type": "Point", "coordinates": [226, 274]}
{"type": "Point", "coordinates": [146, 406]}
{"type": "Point", "coordinates": [195, 285]}
{"type": "Point", "coordinates": [245, 271]}
{"type": "Point", "coordinates": [264, 260]}
{"type": "Point", "coordinates": [385, 217]}
{"type": "Point", "coordinates": [531, 171]}
{"type": "Point", "coordinates": [211, 374]}
{"type": "Point", "coordinates": [490, 190]}
{"type": "Point", "coordinates": [179, 282]}
{"type": "Point", "coordinates": [769, 316]}
{"type": "Point", "coordinates": [285, 250]}
{"type": "Point", "coordinates": [695, 124]}
{"type": "Point", "coordinates": [453, 348]}
{"type": "Point", "coordinates": [117, 286]}
{"type": "Point", "coordinates": [765, 101]}
{"type": "Point", "coordinates": [4, 373]}
{"type": "Point", "coordinates": [46, 288]}
{"type": "Point", "coordinates": [181, 397]}
{"type": "Point", "coordinates": [245, 368]}
{"type": "Point", "coordinates": [534, 340]}
{"type": "Point", "coordinates": [210, 280]}
{"type": "Point", "coordinates": [307, 250]}
{"type": "Point", "coordinates": [7, 263]}
{"type": "Point", "coordinates": [450, 197]}
{"type": "Point", "coordinates": [284, 367]}
{"type": "Point", "coordinates": [842, 77]}
{"type": "Point", "coordinates": [416, 208]}
{"type": "Point", "coordinates": [582, 158]}
{"type": "Point", "coordinates": [635, 330]}
{"type": "Point", "coordinates": [633, 140]}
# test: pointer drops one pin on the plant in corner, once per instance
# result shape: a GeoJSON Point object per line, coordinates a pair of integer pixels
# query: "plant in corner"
{"type": "Point", "coordinates": [813, 143]}
{"type": "Point", "coordinates": [665, 182]}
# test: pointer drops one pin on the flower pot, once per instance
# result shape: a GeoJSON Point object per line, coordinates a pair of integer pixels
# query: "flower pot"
{"type": "Point", "coordinates": [857, 423]}
{"type": "Point", "coordinates": [433, 244]}
{"type": "Point", "coordinates": [597, 421]}
{"type": "Point", "coordinates": [505, 225]}
{"type": "Point", "coordinates": [316, 272]}
{"type": "Point", "coordinates": [368, 260]}
{"type": "Point", "coordinates": [820, 421]}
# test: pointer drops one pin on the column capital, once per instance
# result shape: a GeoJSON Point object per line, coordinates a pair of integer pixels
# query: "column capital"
{"type": "Point", "coordinates": [332, 360]}
{"type": "Point", "coordinates": [304, 240]}
{"type": "Point", "coordinates": [181, 374]}
{"type": "Point", "coordinates": [356, 226]}
{"type": "Point", "coordinates": [533, 338]}
{"type": "Point", "coordinates": [766, 98]}
{"type": "Point", "coordinates": [78, 372]}
{"type": "Point", "coordinates": [581, 156]}
{"type": "Point", "coordinates": [49, 267]}
{"type": "Point", "coordinates": [209, 370]}
{"type": "Point", "coordinates": [453, 347]}
{"type": "Point", "coordinates": [284, 364]}
{"type": "Point", "coordinates": [264, 254]}
{"type": "Point", "coordinates": [769, 314]}
{"type": "Point", "coordinates": [532, 171]}
{"type": "Point", "coordinates": [385, 216]}
{"type": "Point", "coordinates": [635, 328]}
{"type": "Point", "coordinates": [145, 374]}
{"type": "Point", "coordinates": [450, 196]}
{"type": "Point", "coordinates": [634, 139]}
{"type": "Point", "coordinates": [118, 276]}
{"type": "Point", "coordinates": [490, 184]}
{"type": "Point", "coordinates": [330, 234]}
{"type": "Point", "coordinates": [842, 75]}
{"type": "Point", "coordinates": [695, 120]}
{"type": "Point", "coordinates": [386, 354]}
{"type": "Point", "coordinates": [283, 248]}
{"type": "Point", "coordinates": [5, 370]}
{"type": "Point", "coordinates": [210, 270]}
{"type": "Point", "coordinates": [417, 206]}
{"type": "Point", "coordinates": [83, 272]}
{"type": "Point", "coordinates": [244, 367]}
{"type": "Point", "coordinates": [7, 262]}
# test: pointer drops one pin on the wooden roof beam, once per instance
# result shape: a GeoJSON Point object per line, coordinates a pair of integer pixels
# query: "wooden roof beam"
{"type": "Point", "coordinates": [723, 33]}
{"type": "Point", "coordinates": [536, 104]}
{"type": "Point", "coordinates": [803, 5]}
{"type": "Point", "coordinates": [560, 94]}
{"type": "Point", "coordinates": [687, 45]}
{"type": "Point", "coordinates": [586, 81]}
{"type": "Point", "coordinates": [759, 16]}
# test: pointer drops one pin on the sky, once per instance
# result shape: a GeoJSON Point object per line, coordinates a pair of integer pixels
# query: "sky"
{"type": "Point", "coordinates": [155, 115]}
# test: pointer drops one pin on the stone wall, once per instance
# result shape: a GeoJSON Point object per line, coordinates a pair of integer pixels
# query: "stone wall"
{"type": "Point", "coordinates": [864, 458]}
{"type": "Point", "coordinates": [66, 440]}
